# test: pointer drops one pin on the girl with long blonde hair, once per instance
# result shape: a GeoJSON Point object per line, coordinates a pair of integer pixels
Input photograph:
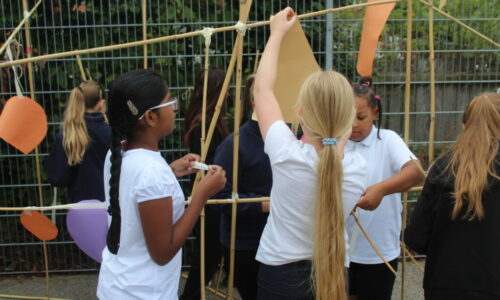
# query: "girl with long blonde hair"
{"type": "Point", "coordinates": [76, 159]}
{"type": "Point", "coordinates": [456, 221]}
{"type": "Point", "coordinates": [303, 248]}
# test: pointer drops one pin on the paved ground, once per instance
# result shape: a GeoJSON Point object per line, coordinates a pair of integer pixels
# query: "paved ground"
{"type": "Point", "coordinates": [82, 287]}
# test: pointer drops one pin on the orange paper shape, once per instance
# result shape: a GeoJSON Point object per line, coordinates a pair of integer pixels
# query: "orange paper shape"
{"type": "Point", "coordinates": [39, 225]}
{"type": "Point", "coordinates": [23, 124]}
{"type": "Point", "coordinates": [296, 62]}
{"type": "Point", "coordinates": [375, 18]}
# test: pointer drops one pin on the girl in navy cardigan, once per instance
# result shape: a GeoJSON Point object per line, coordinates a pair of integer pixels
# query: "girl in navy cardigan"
{"type": "Point", "coordinates": [76, 160]}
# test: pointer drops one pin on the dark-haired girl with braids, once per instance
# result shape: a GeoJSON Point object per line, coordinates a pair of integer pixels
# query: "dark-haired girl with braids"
{"type": "Point", "coordinates": [390, 171]}
{"type": "Point", "coordinates": [76, 160]}
{"type": "Point", "coordinates": [149, 225]}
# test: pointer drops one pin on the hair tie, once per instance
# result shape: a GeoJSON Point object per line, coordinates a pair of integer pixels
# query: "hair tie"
{"type": "Point", "coordinates": [377, 97]}
{"type": "Point", "coordinates": [132, 108]}
{"type": "Point", "coordinates": [329, 141]}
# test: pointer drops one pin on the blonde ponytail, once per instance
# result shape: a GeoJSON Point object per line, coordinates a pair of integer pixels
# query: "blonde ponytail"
{"type": "Point", "coordinates": [76, 139]}
{"type": "Point", "coordinates": [327, 102]}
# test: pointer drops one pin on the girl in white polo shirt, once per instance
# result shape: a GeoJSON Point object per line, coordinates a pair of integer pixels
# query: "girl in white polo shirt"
{"type": "Point", "coordinates": [390, 172]}
{"type": "Point", "coordinates": [304, 237]}
{"type": "Point", "coordinates": [142, 259]}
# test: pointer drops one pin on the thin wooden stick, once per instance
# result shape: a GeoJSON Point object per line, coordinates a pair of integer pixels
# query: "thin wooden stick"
{"type": "Point", "coordinates": [245, 6]}
{"type": "Point", "coordinates": [484, 37]}
{"type": "Point", "coordinates": [178, 36]}
{"type": "Point", "coordinates": [219, 276]}
{"type": "Point", "coordinates": [30, 297]}
{"type": "Point", "coordinates": [16, 30]}
{"type": "Point", "coordinates": [80, 66]}
{"type": "Point", "coordinates": [145, 31]}
{"type": "Point", "coordinates": [432, 67]}
{"type": "Point", "coordinates": [203, 146]}
{"type": "Point", "coordinates": [372, 244]}
{"type": "Point", "coordinates": [37, 153]}
{"type": "Point", "coordinates": [256, 64]}
{"type": "Point", "coordinates": [409, 23]}
{"type": "Point", "coordinates": [419, 266]}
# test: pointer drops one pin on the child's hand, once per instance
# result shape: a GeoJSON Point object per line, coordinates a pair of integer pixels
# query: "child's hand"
{"type": "Point", "coordinates": [183, 166]}
{"type": "Point", "coordinates": [212, 182]}
{"type": "Point", "coordinates": [282, 21]}
{"type": "Point", "coordinates": [371, 198]}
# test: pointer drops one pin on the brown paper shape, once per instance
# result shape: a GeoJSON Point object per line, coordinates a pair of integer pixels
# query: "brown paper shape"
{"type": "Point", "coordinates": [296, 62]}
{"type": "Point", "coordinates": [39, 225]}
{"type": "Point", "coordinates": [375, 18]}
{"type": "Point", "coordinates": [23, 124]}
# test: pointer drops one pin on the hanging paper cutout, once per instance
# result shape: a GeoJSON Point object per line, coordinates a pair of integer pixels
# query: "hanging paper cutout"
{"type": "Point", "coordinates": [39, 225]}
{"type": "Point", "coordinates": [88, 228]}
{"type": "Point", "coordinates": [23, 124]}
{"type": "Point", "coordinates": [375, 18]}
{"type": "Point", "coordinates": [296, 62]}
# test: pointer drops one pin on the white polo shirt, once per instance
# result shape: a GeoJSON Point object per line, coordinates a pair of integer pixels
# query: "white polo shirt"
{"type": "Point", "coordinates": [132, 274]}
{"type": "Point", "coordinates": [289, 232]}
{"type": "Point", "coordinates": [385, 157]}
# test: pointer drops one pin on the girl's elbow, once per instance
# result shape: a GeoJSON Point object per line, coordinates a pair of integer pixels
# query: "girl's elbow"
{"type": "Point", "coordinates": [162, 260]}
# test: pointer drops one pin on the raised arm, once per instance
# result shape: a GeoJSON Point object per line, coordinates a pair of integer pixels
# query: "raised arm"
{"type": "Point", "coordinates": [266, 105]}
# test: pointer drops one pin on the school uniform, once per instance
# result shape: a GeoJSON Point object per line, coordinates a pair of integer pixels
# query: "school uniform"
{"type": "Point", "coordinates": [131, 273]}
{"type": "Point", "coordinates": [369, 277]}
{"type": "Point", "coordinates": [286, 246]}
{"type": "Point", "coordinates": [462, 256]}
{"type": "Point", "coordinates": [84, 180]}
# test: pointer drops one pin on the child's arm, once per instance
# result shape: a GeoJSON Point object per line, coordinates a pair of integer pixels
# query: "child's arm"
{"type": "Point", "coordinates": [408, 177]}
{"type": "Point", "coordinates": [266, 105]}
{"type": "Point", "coordinates": [163, 238]}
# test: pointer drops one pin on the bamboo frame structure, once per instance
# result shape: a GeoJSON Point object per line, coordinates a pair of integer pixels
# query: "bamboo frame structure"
{"type": "Point", "coordinates": [236, 59]}
{"type": "Point", "coordinates": [80, 66]}
{"type": "Point", "coordinates": [16, 30]}
{"type": "Point", "coordinates": [432, 85]}
{"type": "Point", "coordinates": [144, 6]}
{"type": "Point", "coordinates": [245, 6]}
{"type": "Point", "coordinates": [409, 22]}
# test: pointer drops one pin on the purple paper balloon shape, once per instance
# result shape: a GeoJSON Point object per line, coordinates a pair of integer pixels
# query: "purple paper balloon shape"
{"type": "Point", "coordinates": [88, 228]}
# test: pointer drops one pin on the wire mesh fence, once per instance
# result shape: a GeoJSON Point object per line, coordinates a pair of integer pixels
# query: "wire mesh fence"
{"type": "Point", "coordinates": [465, 66]}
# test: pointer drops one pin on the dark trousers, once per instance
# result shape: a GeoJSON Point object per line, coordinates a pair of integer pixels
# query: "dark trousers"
{"type": "Point", "coordinates": [246, 270]}
{"type": "Point", "coordinates": [286, 282]}
{"type": "Point", "coordinates": [213, 254]}
{"type": "Point", "coordinates": [372, 282]}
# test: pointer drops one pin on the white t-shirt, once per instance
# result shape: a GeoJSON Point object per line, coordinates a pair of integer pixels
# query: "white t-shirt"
{"type": "Point", "coordinates": [289, 232]}
{"type": "Point", "coordinates": [132, 274]}
{"type": "Point", "coordinates": [385, 157]}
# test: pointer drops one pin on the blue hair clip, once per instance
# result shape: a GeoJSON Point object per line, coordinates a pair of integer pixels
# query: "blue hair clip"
{"type": "Point", "coordinates": [329, 141]}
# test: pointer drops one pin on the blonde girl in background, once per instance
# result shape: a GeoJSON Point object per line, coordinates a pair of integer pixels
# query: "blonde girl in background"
{"type": "Point", "coordinates": [390, 172]}
{"type": "Point", "coordinates": [456, 221]}
{"type": "Point", "coordinates": [303, 246]}
{"type": "Point", "coordinates": [76, 160]}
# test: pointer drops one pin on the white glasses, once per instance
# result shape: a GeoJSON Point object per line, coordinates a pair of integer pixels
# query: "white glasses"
{"type": "Point", "coordinates": [173, 102]}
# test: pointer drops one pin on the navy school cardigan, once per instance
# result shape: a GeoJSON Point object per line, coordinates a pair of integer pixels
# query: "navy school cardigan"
{"type": "Point", "coordinates": [85, 180]}
{"type": "Point", "coordinates": [254, 180]}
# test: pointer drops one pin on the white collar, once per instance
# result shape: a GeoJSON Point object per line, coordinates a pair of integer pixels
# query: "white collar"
{"type": "Point", "coordinates": [367, 141]}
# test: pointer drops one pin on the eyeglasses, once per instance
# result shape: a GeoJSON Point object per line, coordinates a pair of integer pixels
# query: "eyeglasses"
{"type": "Point", "coordinates": [173, 102]}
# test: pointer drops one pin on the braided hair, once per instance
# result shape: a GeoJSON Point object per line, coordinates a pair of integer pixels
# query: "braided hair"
{"type": "Point", "coordinates": [130, 95]}
{"type": "Point", "coordinates": [364, 90]}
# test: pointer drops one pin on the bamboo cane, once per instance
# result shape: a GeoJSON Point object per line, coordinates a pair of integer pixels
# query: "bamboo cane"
{"type": "Point", "coordinates": [245, 6]}
{"type": "Point", "coordinates": [432, 85]}
{"type": "Point", "coordinates": [407, 127]}
{"type": "Point", "coordinates": [203, 149]}
{"type": "Point", "coordinates": [145, 31]}
{"type": "Point", "coordinates": [484, 37]}
{"type": "Point", "coordinates": [80, 66]}
{"type": "Point", "coordinates": [19, 26]}
{"type": "Point", "coordinates": [419, 266]}
{"type": "Point", "coordinates": [178, 36]}
{"type": "Point", "coordinates": [37, 153]}
{"type": "Point", "coordinates": [372, 244]}
{"type": "Point", "coordinates": [30, 297]}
